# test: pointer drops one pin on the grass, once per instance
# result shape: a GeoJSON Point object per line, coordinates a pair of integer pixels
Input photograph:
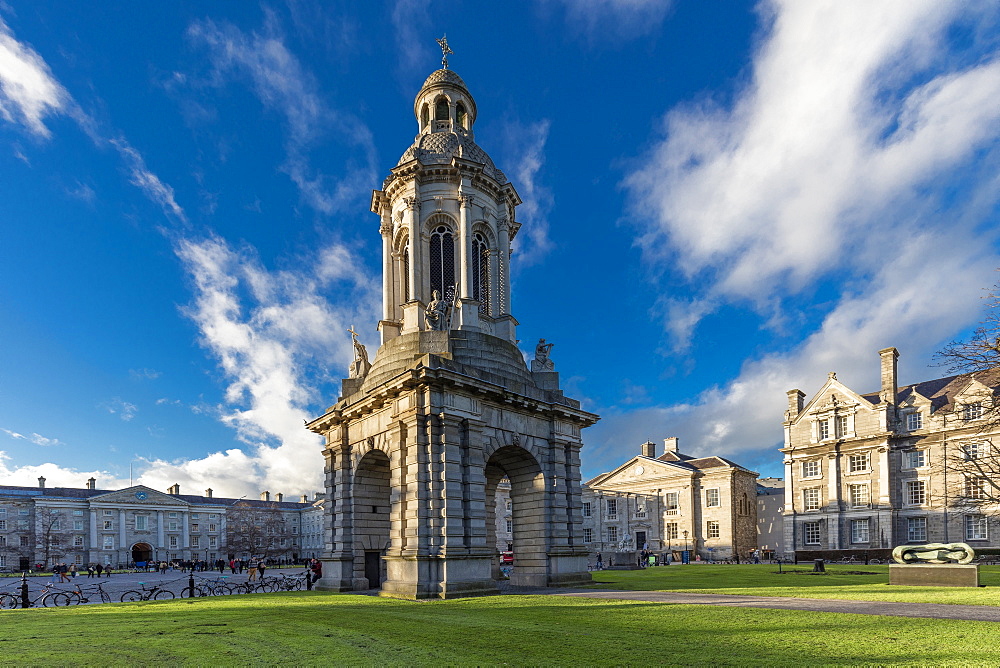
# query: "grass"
{"type": "Point", "coordinates": [313, 628]}
{"type": "Point", "coordinates": [798, 582]}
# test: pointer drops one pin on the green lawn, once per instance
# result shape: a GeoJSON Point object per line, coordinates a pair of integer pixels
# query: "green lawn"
{"type": "Point", "coordinates": [312, 628]}
{"type": "Point", "coordinates": [799, 582]}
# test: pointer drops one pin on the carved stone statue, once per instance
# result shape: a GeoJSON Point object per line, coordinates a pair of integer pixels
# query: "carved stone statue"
{"type": "Point", "coordinates": [436, 313]}
{"type": "Point", "coordinates": [933, 553]}
{"type": "Point", "coordinates": [625, 544]}
{"type": "Point", "coordinates": [542, 361]}
{"type": "Point", "coordinates": [359, 367]}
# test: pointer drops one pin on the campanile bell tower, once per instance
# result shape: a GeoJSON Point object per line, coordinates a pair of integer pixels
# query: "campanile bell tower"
{"type": "Point", "coordinates": [421, 437]}
{"type": "Point", "coordinates": [447, 220]}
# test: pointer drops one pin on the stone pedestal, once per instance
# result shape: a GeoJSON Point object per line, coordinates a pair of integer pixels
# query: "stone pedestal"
{"type": "Point", "coordinates": [624, 561]}
{"type": "Point", "coordinates": [934, 575]}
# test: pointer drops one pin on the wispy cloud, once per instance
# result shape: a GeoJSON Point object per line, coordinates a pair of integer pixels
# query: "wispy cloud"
{"type": "Point", "coordinates": [123, 409]}
{"type": "Point", "coordinates": [282, 84]}
{"type": "Point", "coordinates": [148, 182]}
{"type": "Point", "coordinates": [524, 147]}
{"type": "Point", "coordinates": [862, 156]}
{"type": "Point", "coordinates": [37, 439]}
{"type": "Point", "coordinates": [144, 374]}
{"type": "Point", "coordinates": [621, 19]}
{"type": "Point", "coordinates": [28, 90]}
{"type": "Point", "coordinates": [411, 22]}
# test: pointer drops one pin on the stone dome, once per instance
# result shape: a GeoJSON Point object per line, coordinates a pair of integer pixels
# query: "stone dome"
{"type": "Point", "coordinates": [444, 76]}
{"type": "Point", "coordinates": [440, 147]}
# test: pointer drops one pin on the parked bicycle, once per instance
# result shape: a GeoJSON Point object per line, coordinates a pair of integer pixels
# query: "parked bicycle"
{"type": "Point", "coordinates": [48, 597]}
{"type": "Point", "coordinates": [153, 593]}
{"type": "Point", "coordinates": [96, 591]}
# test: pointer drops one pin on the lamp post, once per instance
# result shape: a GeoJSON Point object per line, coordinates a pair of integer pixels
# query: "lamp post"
{"type": "Point", "coordinates": [685, 540]}
{"type": "Point", "coordinates": [686, 557]}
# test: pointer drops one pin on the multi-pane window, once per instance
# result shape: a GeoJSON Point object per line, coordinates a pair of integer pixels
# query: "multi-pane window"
{"type": "Point", "coordinates": [77, 541]}
{"type": "Point", "coordinates": [916, 529]}
{"type": "Point", "coordinates": [914, 421]}
{"type": "Point", "coordinates": [171, 515]}
{"type": "Point", "coordinates": [640, 510]}
{"type": "Point", "coordinates": [586, 509]}
{"type": "Point", "coordinates": [974, 450]}
{"type": "Point", "coordinates": [195, 528]}
{"type": "Point", "coordinates": [109, 513]}
{"type": "Point", "coordinates": [860, 530]}
{"type": "Point", "coordinates": [141, 522]}
{"type": "Point", "coordinates": [78, 513]}
{"type": "Point", "coordinates": [173, 526]}
{"type": "Point", "coordinates": [811, 533]}
{"type": "Point", "coordinates": [612, 507]}
{"type": "Point", "coordinates": [3, 525]}
{"type": "Point", "coordinates": [109, 525]}
{"type": "Point", "coordinates": [442, 264]}
{"type": "Point", "coordinates": [712, 530]}
{"type": "Point", "coordinates": [672, 503]}
{"type": "Point", "coordinates": [914, 459]}
{"type": "Point", "coordinates": [510, 526]}
{"type": "Point", "coordinates": [22, 525]}
{"type": "Point", "coordinates": [213, 542]}
{"type": "Point", "coordinates": [841, 426]}
{"type": "Point", "coordinates": [916, 492]}
{"type": "Point", "coordinates": [509, 506]}
{"type": "Point", "coordinates": [3, 541]}
{"type": "Point", "coordinates": [975, 487]}
{"type": "Point", "coordinates": [712, 498]}
{"type": "Point", "coordinates": [975, 527]}
{"type": "Point", "coordinates": [77, 525]}
{"type": "Point", "coordinates": [109, 542]}
{"type": "Point", "coordinates": [23, 541]}
{"type": "Point", "coordinates": [195, 542]}
{"type": "Point", "coordinates": [672, 530]}
{"type": "Point", "coordinates": [213, 527]}
{"type": "Point", "coordinates": [857, 462]}
{"type": "Point", "coordinates": [173, 542]}
{"type": "Point", "coordinates": [481, 272]}
{"type": "Point", "coordinates": [588, 535]}
{"type": "Point", "coordinates": [972, 411]}
{"type": "Point", "coordinates": [612, 534]}
{"type": "Point", "coordinates": [824, 429]}
{"type": "Point", "coordinates": [810, 498]}
{"type": "Point", "coordinates": [194, 516]}
{"type": "Point", "coordinates": [859, 495]}
{"type": "Point", "coordinates": [3, 512]}
{"type": "Point", "coordinates": [810, 469]}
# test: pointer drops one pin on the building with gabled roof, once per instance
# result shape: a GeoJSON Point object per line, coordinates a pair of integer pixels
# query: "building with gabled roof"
{"type": "Point", "coordinates": [873, 470]}
{"type": "Point", "coordinates": [672, 502]}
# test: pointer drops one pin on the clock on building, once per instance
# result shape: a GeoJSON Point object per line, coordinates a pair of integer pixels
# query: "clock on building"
{"type": "Point", "coordinates": [140, 495]}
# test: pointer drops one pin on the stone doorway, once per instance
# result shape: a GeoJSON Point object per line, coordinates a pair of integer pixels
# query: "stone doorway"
{"type": "Point", "coordinates": [371, 519]}
{"type": "Point", "coordinates": [142, 552]}
{"type": "Point", "coordinates": [527, 496]}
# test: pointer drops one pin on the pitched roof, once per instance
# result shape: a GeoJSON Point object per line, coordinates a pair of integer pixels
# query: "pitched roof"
{"type": "Point", "coordinates": [942, 391]}
{"type": "Point", "coordinates": [84, 493]}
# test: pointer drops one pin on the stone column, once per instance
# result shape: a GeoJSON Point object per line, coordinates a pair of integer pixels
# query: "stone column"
{"type": "Point", "coordinates": [503, 284]}
{"type": "Point", "coordinates": [388, 291]}
{"type": "Point", "coordinates": [412, 222]}
{"type": "Point", "coordinates": [93, 534]}
{"type": "Point", "coordinates": [465, 239]}
{"type": "Point", "coordinates": [160, 544]}
{"type": "Point", "coordinates": [186, 527]}
{"type": "Point", "coordinates": [833, 501]}
{"type": "Point", "coordinates": [122, 538]}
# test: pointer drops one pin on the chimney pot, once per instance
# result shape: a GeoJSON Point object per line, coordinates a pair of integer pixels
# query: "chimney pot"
{"type": "Point", "coordinates": [208, 493]}
{"type": "Point", "coordinates": [670, 444]}
{"type": "Point", "coordinates": [91, 483]}
{"type": "Point", "coordinates": [174, 489]}
{"type": "Point", "coordinates": [279, 497]}
{"type": "Point", "coordinates": [796, 402]}
{"type": "Point", "coordinates": [305, 498]}
{"type": "Point", "coordinates": [648, 449]}
{"type": "Point", "coordinates": [889, 384]}
{"type": "Point", "coordinates": [265, 496]}
{"type": "Point", "coordinates": [41, 481]}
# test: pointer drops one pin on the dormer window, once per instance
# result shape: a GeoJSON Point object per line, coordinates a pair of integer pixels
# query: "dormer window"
{"type": "Point", "coordinates": [972, 411]}
{"type": "Point", "coordinates": [914, 421]}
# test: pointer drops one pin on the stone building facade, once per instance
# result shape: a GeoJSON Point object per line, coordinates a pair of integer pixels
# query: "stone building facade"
{"type": "Point", "coordinates": [420, 439]}
{"type": "Point", "coordinates": [873, 470]}
{"type": "Point", "coordinates": [44, 525]}
{"type": "Point", "coordinates": [672, 502]}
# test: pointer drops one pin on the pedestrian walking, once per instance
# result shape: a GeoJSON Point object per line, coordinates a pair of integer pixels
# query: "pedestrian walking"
{"type": "Point", "coordinates": [600, 562]}
{"type": "Point", "coordinates": [252, 570]}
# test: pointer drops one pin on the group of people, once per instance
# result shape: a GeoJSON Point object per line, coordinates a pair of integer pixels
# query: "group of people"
{"type": "Point", "coordinates": [62, 572]}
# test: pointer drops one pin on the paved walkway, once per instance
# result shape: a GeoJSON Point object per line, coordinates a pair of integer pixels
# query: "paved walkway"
{"type": "Point", "coordinates": [981, 613]}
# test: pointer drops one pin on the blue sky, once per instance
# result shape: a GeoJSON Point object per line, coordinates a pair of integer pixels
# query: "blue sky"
{"type": "Point", "coordinates": [722, 201]}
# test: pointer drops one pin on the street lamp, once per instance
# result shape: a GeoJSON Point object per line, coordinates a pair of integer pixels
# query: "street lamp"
{"type": "Point", "coordinates": [688, 554]}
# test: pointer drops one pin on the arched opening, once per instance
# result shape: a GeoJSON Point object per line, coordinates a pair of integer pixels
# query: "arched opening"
{"type": "Point", "coordinates": [481, 272]}
{"type": "Point", "coordinates": [442, 265]}
{"type": "Point", "coordinates": [441, 110]}
{"type": "Point", "coordinates": [142, 552]}
{"type": "Point", "coordinates": [461, 117]}
{"type": "Point", "coordinates": [527, 514]}
{"type": "Point", "coordinates": [371, 519]}
{"type": "Point", "coordinates": [425, 116]}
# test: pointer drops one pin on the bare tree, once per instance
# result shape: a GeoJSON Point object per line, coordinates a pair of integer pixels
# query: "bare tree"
{"type": "Point", "coordinates": [51, 537]}
{"type": "Point", "coordinates": [257, 530]}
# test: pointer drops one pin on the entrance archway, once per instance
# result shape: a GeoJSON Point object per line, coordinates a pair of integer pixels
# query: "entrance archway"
{"type": "Point", "coordinates": [142, 552]}
{"type": "Point", "coordinates": [371, 519]}
{"type": "Point", "coordinates": [527, 496]}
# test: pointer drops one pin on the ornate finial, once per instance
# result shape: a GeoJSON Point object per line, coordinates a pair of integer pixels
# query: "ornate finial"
{"type": "Point", "coordinates": [445, 50]}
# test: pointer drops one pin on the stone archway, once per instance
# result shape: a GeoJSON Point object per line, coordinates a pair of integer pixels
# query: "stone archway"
{"type": "Point", "coordinates": [527, 495]}
{"type": "Point", "coordinates": [142, 552]}
{"type": "Point", "coordinates": [371, 516]}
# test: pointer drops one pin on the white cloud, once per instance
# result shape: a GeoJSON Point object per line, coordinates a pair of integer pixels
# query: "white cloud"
{"type": "Point", "coordinates": [524, 147]}
{"type": "Point", "coordinates": [28, 90]}
{"type": "Point", "coordinates": [623, 19]}
{"type": "Point", "coordinates": [273, 334]}
{"type": "Point", "coordinates": [37, 439]}
{"type": "Point", "coordinates": [411, 23]}
{"type": "Point", "coordinates": [282, 84]}
{"type": "Point", "coordinates": [123, 409]}
{"type": "Point", "coordinates": [862, 157]}
{"type": "Point", "coordinates": [148, 182]}
{"type": "Point", "coordinates": [144, 374]}
{"type": "Point", "coordinates": [55, 476]}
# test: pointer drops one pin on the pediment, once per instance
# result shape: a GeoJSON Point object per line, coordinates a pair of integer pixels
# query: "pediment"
{"type": "Point", "coordinates": [641, 471]}
{"type": "Point", "coordinates": [973, 392]}
{"type": "Point", "coordinates": [833, 395]}
{"type": "Point", "coordinates": [139, 494]}
{"type": "Point", "coordinates": [915, 399]}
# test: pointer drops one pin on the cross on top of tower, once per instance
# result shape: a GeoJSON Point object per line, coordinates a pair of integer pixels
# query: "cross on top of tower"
{"type": "Point", "coordinates": [445, 50]}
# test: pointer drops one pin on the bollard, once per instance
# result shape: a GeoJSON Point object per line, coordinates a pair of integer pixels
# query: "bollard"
{"type": "Point", "coordinates": [818, 566]}
{"type": "Point", "coordinates": [25, 600]}
{"type": "Point", "coordinates": [309, 581]}
{"type": "Point", "coordinates": [191, 585]}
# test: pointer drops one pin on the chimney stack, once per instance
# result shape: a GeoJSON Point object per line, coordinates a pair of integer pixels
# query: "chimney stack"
{"type": "Point", "coordinates": [670, 445]}
{"type": "Point", "coordinates": [305, 498]}
{"type": "Point", "coordinates": [91, 483]}
{"type": "Point", "coordinates": [41, 481]}
{"type": "Point", "coordinates": [174, 489]}
{"type": "Point", "coordinates": [279, 497]}
{"type": "Point", "coordinates": [265, 496]}
{"type": "Point", "coordinates": [208, 493]}
{"type": "Point", "coordinates": [889, 386]}
{"type": "Point", "coordinates": [796, 401]}
{"type": "Point", "coordinates": [648, 449]}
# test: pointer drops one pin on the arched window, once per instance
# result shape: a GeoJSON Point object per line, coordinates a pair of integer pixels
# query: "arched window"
{"type": "Point", "coordinates": [461, 116]}
{"type": "Point", "coordinates": [425, 116]}
{"type": "Point", "coordinates": [441, 110]}
{"type": "Point", "coordinates": [443, 261]}
{"type": "Point", "coordinates": [406, 272]}
{"type": "Point", "coordinates": [481, 272]}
